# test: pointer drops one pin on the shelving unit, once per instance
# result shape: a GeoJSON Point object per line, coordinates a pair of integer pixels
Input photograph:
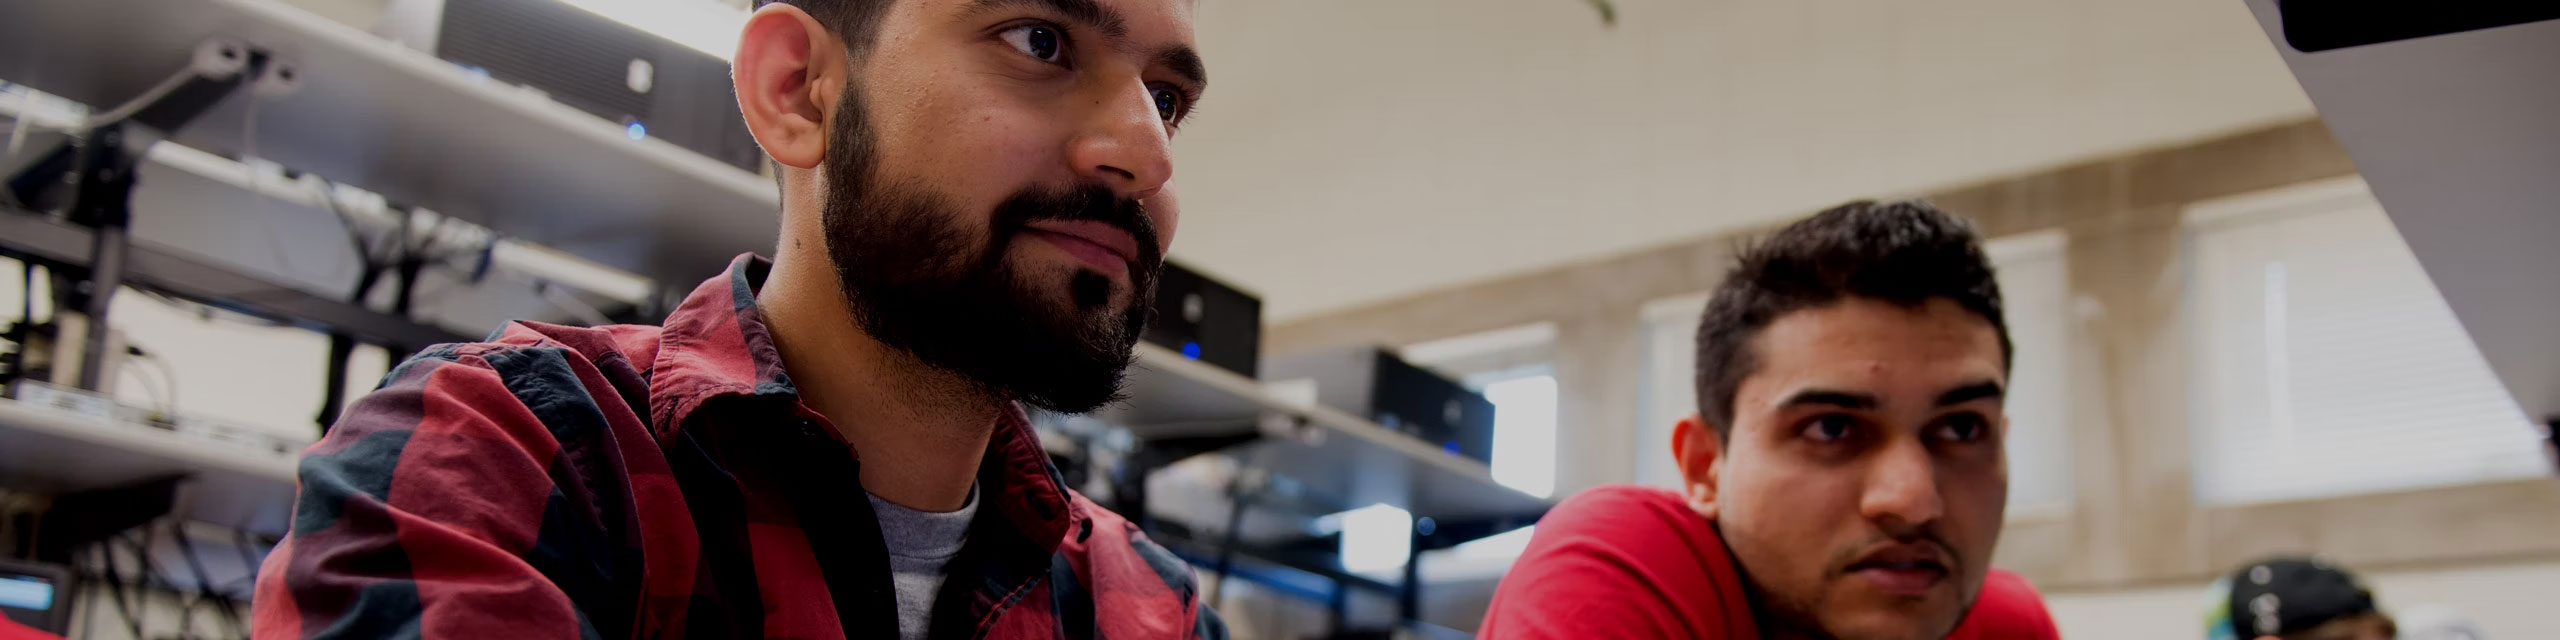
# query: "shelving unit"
{"type": "Point", "coordinates": [411, 127]}
{"type": "Point", "coordinates": [47, 449]}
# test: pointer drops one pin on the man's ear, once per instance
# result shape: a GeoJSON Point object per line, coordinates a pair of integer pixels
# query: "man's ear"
{"type": "Point", "coordinates": [789, 72]}
{"type": "Point", "coordinates": [1700, 453]}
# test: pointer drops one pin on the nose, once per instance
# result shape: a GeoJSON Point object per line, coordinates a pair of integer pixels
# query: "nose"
{"type": "Point", "coordinates": [1901, 493]}
{"type": "Point", "coordinates": [1123, 144]}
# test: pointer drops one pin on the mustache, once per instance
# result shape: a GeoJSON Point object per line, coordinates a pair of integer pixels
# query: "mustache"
{"type": "Point", "coordinates": [1082, 202]}
{"type": "Point", "coordinates": [1892, 544]}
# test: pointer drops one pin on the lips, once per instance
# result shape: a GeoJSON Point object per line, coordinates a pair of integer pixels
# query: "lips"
{"type": "Point", "coordinates": [1098, 234]}
{"type": "Point", "coordinates": [1903, 568]}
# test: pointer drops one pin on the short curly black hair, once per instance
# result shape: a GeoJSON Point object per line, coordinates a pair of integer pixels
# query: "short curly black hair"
{"type": "Point", "coordinates": [857, 22]}
{"type": "Point", "coordinates": [1905, 253]}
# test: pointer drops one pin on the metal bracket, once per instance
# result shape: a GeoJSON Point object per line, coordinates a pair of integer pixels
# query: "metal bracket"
{"type": "Point", "coordinates": [98, 164]}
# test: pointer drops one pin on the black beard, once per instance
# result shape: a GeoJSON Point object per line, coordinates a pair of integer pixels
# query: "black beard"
{"type": "Point", "coordinates": [919, 281]}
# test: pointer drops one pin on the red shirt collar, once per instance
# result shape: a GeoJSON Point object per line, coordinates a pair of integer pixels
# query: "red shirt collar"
{"type": "Point", "coordinates": [716, 345]}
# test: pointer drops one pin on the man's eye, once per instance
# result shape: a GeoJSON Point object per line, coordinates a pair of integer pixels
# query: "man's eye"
{"type": "Point", "coordinates": [1168, 102]}
{"type": "Point", "coordinates": [1963, 428]}
{"type": "Point", "coordinates": [1040, 41]}
{"type": "Point", "coordinates": [1829, 428]}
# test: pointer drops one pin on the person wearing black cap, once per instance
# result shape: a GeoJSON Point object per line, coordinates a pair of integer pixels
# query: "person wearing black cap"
{"type": "Point", "coordinates": [2295, 598]}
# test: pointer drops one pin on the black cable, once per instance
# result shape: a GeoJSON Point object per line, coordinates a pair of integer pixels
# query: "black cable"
{"type": "Point", "coordinates": [248, 553]}
{"type": "Point", "coordinates": [159, 394]}
{"type": "Point", "coordinates": [113, 578]}
{"type": "Point", "coordinates": [168, 380]}
{"type": "Point", "coordinates": [150, 571]}
{"type": "Point", "coordinates": [223, 603]}
{"type": "Point", "coordinates": [195, 571]}
{"type": "Point", "coordinates": [342, 347]}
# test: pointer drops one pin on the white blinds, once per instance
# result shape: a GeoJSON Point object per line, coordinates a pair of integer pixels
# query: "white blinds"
{"type": "Point", "coordinates": [2035, 296]}
{"type": "Point", "coordinates": [1670, 368]}
{"type": "Point", "coordinates": [2326, 363]}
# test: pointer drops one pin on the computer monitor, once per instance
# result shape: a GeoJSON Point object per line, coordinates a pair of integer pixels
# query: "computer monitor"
{"type": "Point", "coordinates": [36, 595]}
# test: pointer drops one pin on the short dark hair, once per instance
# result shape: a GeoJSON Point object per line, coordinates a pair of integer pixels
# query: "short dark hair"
{"type": "Point", "coordinates": [857, 22]}
{"type": "Point", "coordinates": [1905, 253]}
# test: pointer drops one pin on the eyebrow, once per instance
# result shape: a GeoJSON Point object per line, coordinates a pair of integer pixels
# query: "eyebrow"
{"type": "Point", "coordinates": [1982, 390]}
{"type": "Point", "coordinates": [1841, 399]}
{"type": "Point", "coordinates": [1182, 61]}
{"type": "Point", "coordinates": [1853, 400]}
{"type": "Point", "coordinates": [1089, 13]}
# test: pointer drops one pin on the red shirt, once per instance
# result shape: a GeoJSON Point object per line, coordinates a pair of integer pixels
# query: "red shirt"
{"type": "Point", "coordinates": [1634, 562]}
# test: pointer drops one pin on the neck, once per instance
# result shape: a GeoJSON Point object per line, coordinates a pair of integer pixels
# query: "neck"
{"type": "Point", "coordinates": [919, 430]}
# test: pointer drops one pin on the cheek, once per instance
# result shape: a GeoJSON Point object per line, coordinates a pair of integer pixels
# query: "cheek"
{"type": "Point", "coordinates": [1788, 504]}
{"type": "Point", "coordinates": [974, 145]}
{"type": "Point", "coordinates": [1979, 496]}
{"type": "Point", "coordinates": [1167, 218]}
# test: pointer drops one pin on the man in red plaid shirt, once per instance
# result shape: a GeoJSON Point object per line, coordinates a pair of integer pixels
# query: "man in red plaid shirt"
{"type": "Point", "coordinates": [832, 443]}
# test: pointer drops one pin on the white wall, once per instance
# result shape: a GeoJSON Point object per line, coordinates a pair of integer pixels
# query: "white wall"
{"type": "Point", "coordinates": [2510, 602]}
{"type": "Point", "coordinates": [1419, 144]}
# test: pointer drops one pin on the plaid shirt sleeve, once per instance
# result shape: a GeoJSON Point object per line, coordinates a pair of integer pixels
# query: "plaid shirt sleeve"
{"type": "Point", "coordinates": [434, 509]}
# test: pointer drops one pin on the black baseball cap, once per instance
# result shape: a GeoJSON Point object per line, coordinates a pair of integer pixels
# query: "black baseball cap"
{"type": "Point", "coordinates": [2282, 595]}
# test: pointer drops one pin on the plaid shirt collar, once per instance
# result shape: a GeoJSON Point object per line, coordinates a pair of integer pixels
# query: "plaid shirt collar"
{"type": "Point", "coordinates": [716, 346]}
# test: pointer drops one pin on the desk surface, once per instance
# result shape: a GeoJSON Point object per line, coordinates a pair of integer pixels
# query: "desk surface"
{"type": "Point", "coordinates": [52, 450]}
{"type": "Point", "coordinates": [411, 127]}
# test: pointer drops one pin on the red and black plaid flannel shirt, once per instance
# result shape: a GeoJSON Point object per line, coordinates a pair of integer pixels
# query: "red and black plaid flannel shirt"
{"type": "Point", "coordinates": [647, 482]}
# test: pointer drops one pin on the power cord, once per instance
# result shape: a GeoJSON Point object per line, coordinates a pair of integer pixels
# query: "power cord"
{"type": "Point", "coordinates": [168, 375]}
{"type": "Point", "coordinates": [205, 594]}
{"type": "Point", "coordinates": [112, 577]}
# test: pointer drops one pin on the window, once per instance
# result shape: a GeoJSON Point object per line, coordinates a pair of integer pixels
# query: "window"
{"type": "Point", "coordinates": [2326, 364]}
{"type": "Point", "coordinates": [1670, 384]}
{"type": "Point", "coordinates": [2036, 301]}
{"type": "Point", "coordinates": [1524, 428]}
{"type": "Point", "coordinates": [1509, 366]}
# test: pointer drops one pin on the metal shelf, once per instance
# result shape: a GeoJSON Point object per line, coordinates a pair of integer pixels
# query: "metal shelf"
{"type": "Point", "coordinates": [1321, 453]}
{"type": "Point", "coordinates": [411, 127]}
{"type": "Point", "coordinates": [52, 450]}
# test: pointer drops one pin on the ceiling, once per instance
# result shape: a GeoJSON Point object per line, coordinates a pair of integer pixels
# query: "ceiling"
{"type": "Point", "coordinates": [1354, 151]}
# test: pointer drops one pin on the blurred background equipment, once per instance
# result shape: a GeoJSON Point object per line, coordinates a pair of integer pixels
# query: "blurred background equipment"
{"type": "Point", "coordinates": [653, 86]}
{"type": "Point", "coordinates": [1206, 320]}
{"type": "Point", "coordinates": [35, 595]}
{"type": "Point", "coordinates": [1373, 383]}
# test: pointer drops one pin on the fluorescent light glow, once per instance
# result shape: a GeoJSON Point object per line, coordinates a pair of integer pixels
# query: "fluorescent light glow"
{"type": "Point", "coordinates": [706, 26]}
{"type": "Point", "coordinates": [1376, 538]}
